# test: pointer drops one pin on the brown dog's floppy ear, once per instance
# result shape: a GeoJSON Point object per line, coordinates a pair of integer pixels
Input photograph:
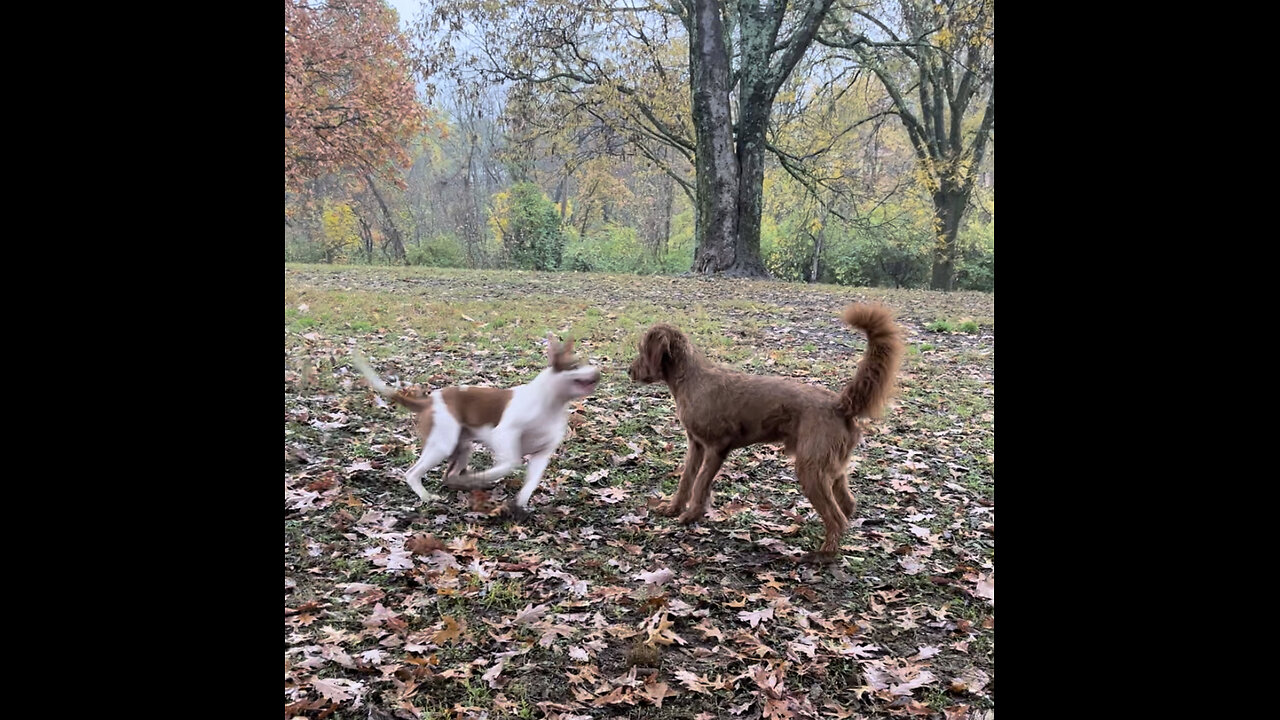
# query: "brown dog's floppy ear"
{"type": "Point", "coordinates": [656, 347]}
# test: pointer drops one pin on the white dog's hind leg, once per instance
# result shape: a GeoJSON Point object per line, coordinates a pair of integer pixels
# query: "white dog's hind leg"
{"type": "Point", "coordinates": [441, 443]}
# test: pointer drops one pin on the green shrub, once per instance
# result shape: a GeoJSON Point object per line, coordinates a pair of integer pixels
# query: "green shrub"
{"type": "Point", "coordinates": [528, 225]}
{"type": "Point", "coordinates": [438, 251]}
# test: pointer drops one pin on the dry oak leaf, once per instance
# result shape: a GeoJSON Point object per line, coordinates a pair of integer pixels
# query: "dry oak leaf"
{"type": "Point", "coordinates": [619, 695]}
{"type": "Point", "coordinates": [775, 708]}
{"type": "Point", "coordinates": [696, 683]}
{"type": "Point", "coordinates": [708, 630]}
{"type": "Point", "coordinates": [659, 631]}
{"type": "Point", "coordinates": [655, 692]}
{"type": "Point", "coordinates": [423, 544]}
{"type": "Point", "coordinates": [657, 577]}
{"type": "Point", "coordinates": [453, 631]}
{"type": "Point", "coordinates": [971, 680]}
{"type": "Point", "coordinates": [491, 675]}
{"type": "Point", "coordinates": [531, 614]}
{"type": "Point", "coordinates": [756, 616]}
{"type": "Point", "coordinates": [338, 689]}
{"type": "Point", "coordinates": [987, 587]}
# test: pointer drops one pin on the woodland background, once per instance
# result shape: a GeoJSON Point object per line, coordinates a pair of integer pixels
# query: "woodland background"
{"type": "Point", "coordinates": [831, 142]}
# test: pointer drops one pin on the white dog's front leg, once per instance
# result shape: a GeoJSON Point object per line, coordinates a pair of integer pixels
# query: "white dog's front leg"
{"type": "Point", "coordinates": [532, 475]}
{"type": "Point", "coordinates": [506, 456]}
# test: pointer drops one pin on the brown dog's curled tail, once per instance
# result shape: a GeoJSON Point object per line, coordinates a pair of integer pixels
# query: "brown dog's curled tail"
{"type": "Point", "coordinates": [866, 393]}
{"type": "Point", "coordinates": [416, 404]}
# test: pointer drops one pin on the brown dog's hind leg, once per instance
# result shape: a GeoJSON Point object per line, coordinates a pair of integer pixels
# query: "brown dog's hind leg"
{"type": "Point", "coordinates": [818, 487]}
{"type": "Point", "coordinates": [844, 498]}
{"type": "Point", "coordinates": [692, 463]}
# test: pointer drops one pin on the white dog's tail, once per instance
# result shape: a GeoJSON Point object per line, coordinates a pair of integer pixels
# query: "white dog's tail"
{"type": "Point", "coordinates": [413, 403]}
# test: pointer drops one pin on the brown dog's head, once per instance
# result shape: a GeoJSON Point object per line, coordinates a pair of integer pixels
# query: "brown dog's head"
{"type": "Point", "coordinates": [662, 350]}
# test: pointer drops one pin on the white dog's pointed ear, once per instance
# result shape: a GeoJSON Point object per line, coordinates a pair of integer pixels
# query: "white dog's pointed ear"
{"type": "Point", "coordinates": [552, 348]}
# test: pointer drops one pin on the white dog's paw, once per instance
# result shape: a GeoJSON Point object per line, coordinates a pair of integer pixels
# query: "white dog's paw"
{"type": "Point", "coordinates": [517, 511]}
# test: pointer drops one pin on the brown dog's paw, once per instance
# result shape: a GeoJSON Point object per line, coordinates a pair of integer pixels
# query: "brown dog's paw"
{"type": "Point", "coordinates": [692, 515]}
{"type": "Point", "coordinates": [667, 509]}
{"type": "Point", "coordinates": [818, 557]}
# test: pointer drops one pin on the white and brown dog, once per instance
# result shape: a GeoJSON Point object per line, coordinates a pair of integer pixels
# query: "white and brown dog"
{"type": "Point", "coordinates": [528, 419]}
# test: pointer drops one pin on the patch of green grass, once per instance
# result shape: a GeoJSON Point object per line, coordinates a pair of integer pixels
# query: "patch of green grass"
{"type": "Point", "coordinates": [926, 347]}
{"type": "Point", "coordinates": [969, 326]}
{"type": "Point", "coordinates": [940, 325]}
{"type": "Point", "coordinates": [477, 693]}
{"type": "Point", "coordinates": [504, 594]}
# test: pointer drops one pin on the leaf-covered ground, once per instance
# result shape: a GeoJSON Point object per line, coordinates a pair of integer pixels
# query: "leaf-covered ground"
{"type": "Point", "coordinates": [595, 607]}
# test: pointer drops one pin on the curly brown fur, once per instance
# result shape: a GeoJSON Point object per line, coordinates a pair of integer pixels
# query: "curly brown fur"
{"type": "Point", "coordinates": [722, 409]}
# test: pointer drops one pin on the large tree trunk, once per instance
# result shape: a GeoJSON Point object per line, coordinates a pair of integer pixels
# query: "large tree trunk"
{"type": "Point", "coordinates": [758, 33]}
{"type": "Point", "coordinates": [471, 210]}
{"type": "Point", "coordinates": [750, 197]}
{"type": "Point", "coordinates": [393, 232]}
{"type": "Point", "coordinates": [366, 238]}
{"type": "Point", "coordinates": [716, 191]}
{"type": "Point", "coordinates": [730, 178]}
{"type": "Point", "coordinates": [948, 209]}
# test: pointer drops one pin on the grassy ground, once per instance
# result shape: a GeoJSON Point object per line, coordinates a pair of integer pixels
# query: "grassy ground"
{"type": "Point", "coordinates": [594, 607]}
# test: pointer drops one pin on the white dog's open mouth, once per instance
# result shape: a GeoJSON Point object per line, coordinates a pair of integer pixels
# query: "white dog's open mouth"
{"type": "Point", "coordinates": [584, 386]}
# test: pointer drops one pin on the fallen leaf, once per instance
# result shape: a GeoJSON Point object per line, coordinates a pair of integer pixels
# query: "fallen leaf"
{"type": "Point", "coordinates": [531, 614]}
{"type": "Point", "coordinates": [924, 678]}
{"type": "Point", "coordinates": [655, 693]}
{"type": "Point", "coordinates": [987, 587]}
{"type": "Point", "coordinates": [925, 652]}
{"type": "Point", "coordinates": [657, 577]}
{"type": "Point", "coordinates": [708, 630]}
{"type": "Point", "coordinates": [971, 680]}
{"type": "Point", "coordinates": [696, 683]}
{"type": "Point", "coordinates": [659, 631]}
{"type": "Point", "coordinates": [423, 544]}
{"type": "Point", "coordinates": [910, 707]}
{"type": "Point", "coordinates": [491, 675]}
{"type": "Point", "coordinates": [837, 710]}
{"type": "Point", "coordinates": [617, 696]}
{"type": "Point", "coordinates": [337, 689]}
{"type": "Point", "coordinates": [451, 632]}
{"type": "Point", "coordinates": [611, 495]}
{"type": "Point", "coordinates": [400, 560]}
{"type": "Point", "coordinates": [756, 616]}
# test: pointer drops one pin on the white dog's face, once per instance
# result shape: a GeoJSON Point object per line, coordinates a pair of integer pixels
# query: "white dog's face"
{"type": "Point", "coordinates": [571, 377]}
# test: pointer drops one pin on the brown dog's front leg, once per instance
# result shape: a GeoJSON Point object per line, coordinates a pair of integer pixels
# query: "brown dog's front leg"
{"type": "Point", "coordinates": [692, 462]}
{"type": "Point", "coordinates": [713, 458]}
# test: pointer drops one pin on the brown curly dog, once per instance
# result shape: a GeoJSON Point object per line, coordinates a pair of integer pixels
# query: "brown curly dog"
{"type": "Point", "coordinates": [722, 409]}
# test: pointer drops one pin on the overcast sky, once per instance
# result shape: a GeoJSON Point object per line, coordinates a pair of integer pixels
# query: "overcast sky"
{"type": "Point", "coordinates": [407, 9]}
